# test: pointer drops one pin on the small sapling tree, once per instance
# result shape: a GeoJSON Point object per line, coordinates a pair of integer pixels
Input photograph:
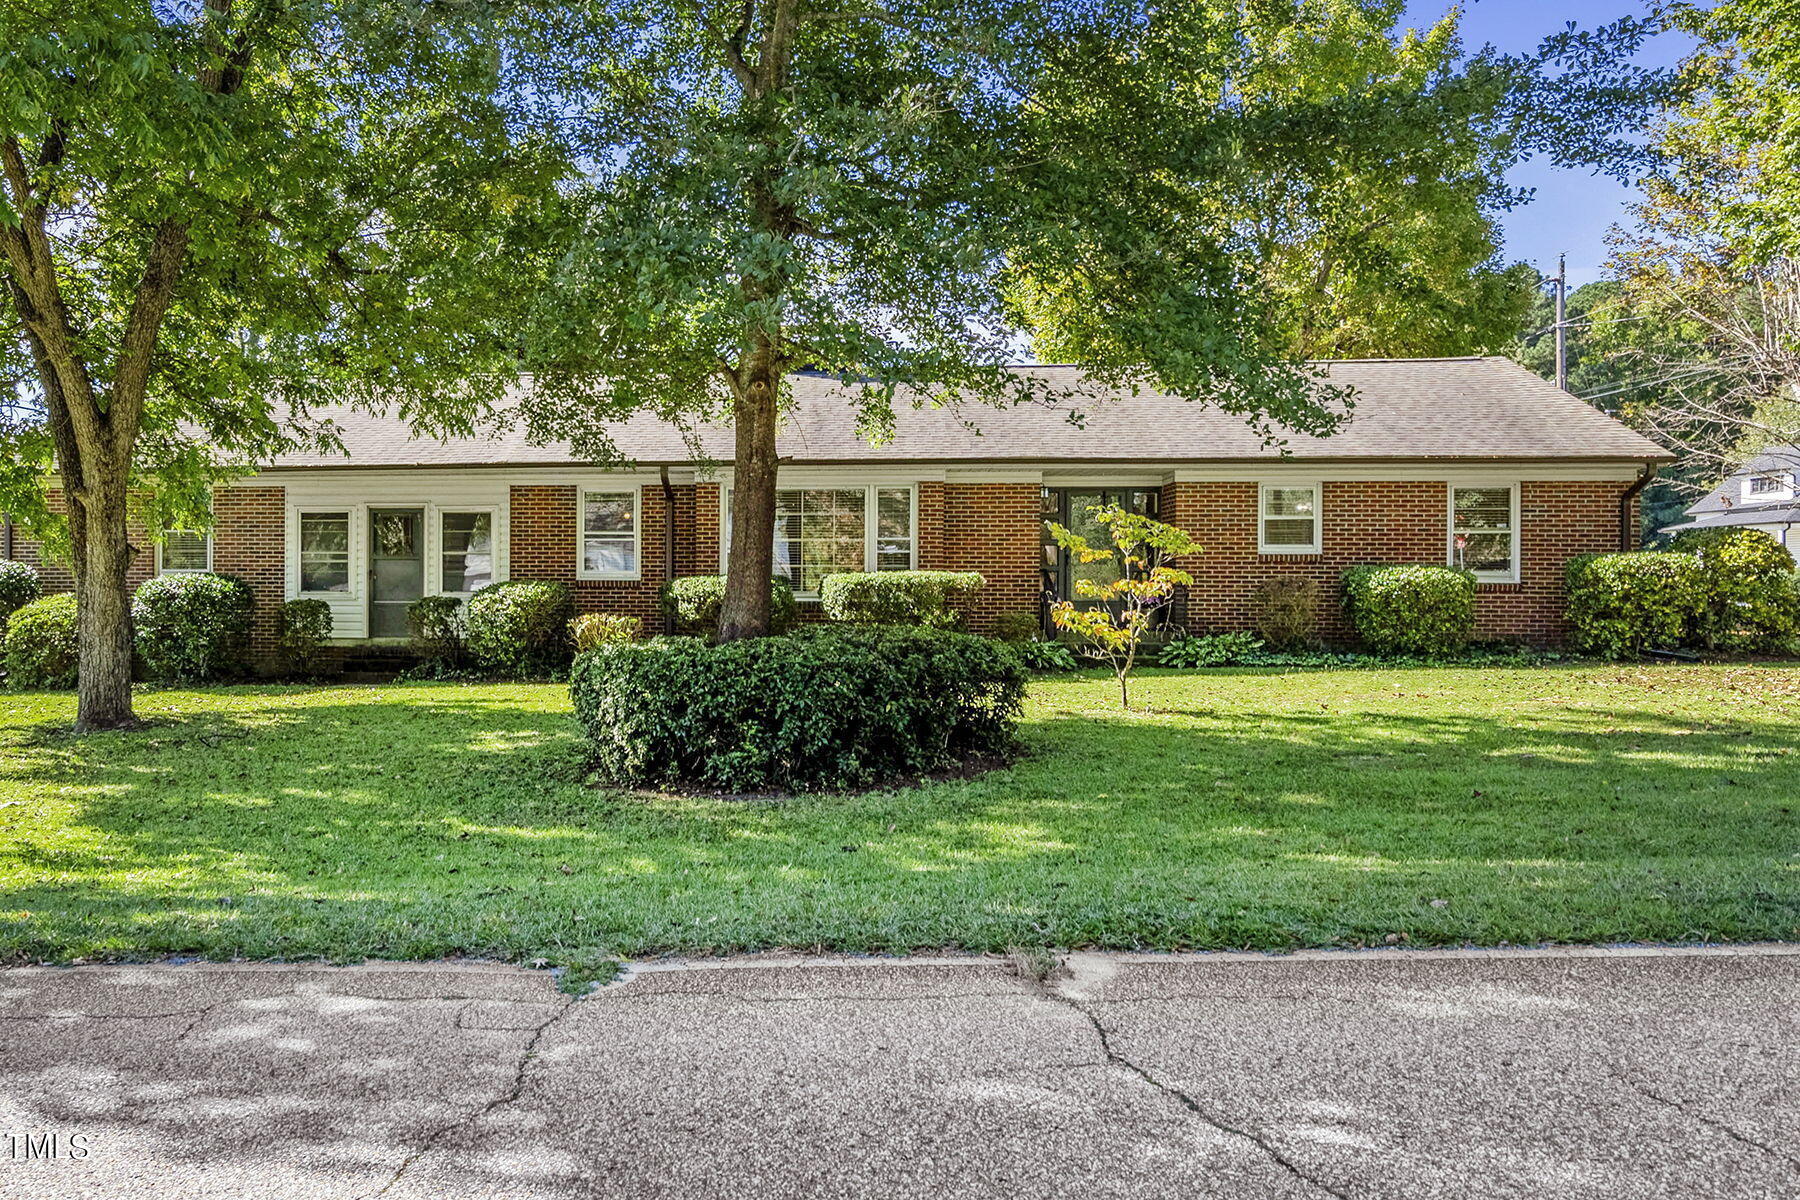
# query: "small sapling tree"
{"type": "Point", "coordinates": [1127, 605]}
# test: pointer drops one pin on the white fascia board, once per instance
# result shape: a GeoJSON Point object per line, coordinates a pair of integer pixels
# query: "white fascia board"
{"type": "Point", "coordinates": [1424, 471]}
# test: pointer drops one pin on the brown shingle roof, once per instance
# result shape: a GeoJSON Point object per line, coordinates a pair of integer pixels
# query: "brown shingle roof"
{"type": "Point", "coordinates": [1449, 408]}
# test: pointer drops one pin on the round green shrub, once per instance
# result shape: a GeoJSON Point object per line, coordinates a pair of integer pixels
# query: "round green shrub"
{"type": "Point", "coordinates": [19, 586]}
{"type": "Point", "coordinates": [691, 604]}
{"type": "Point", "coordinates": [1417, 609]}
{"type": "Point", "coordinates": [521, 627]}
{"type": "Point", "coordinates": [42, 650]}
{"type": "Point", "coordinates": [922, 598]}
{"type": "Point", "coordinates": [827, 707]}
{"type": "Point", "coordinates": [1623, 604]}
{"type": "Point", "coordinates": [193, 628]}
{"type": "Point", "coordinates": [305, 624]}
{"type": "Point", "coordinates": [439, 632]}
{"type": "Point", "coordinates": [1752, 596]}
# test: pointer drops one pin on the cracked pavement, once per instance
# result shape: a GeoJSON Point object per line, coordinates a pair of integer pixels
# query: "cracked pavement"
{"type": "Point", "coordinates": [1385, 1074]}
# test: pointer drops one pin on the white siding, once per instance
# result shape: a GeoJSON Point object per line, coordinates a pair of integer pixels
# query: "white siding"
{"type": "Point", "coordinates": [357, 492]}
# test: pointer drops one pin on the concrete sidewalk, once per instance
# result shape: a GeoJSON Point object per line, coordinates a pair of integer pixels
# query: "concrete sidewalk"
{"type": "Point", "coordinates": [1389, 1074]}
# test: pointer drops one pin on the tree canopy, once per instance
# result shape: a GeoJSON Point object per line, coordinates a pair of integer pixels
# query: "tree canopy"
{"type": "Point", "coordinates": [216, 217]}
{"type": "Point", "coordinates": [905, 195]}
{"type": "Point", "coordinates": [1695, 336]}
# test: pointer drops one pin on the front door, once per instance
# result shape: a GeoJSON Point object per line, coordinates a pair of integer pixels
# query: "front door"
{"type": "Point", "coordinates": [396, 568]}
{"type": "Point", "coordinates": [1073, 508]}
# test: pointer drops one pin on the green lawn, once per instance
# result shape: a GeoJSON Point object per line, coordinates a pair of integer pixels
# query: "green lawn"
{"type": "Point", "coordinates": [1252, 809]}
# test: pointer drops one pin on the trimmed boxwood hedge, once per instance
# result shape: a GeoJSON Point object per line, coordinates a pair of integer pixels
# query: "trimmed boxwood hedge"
{"type": "Point", "coordinates": [19, 586]}
{"type": "Point", "coordinates": [691, 604]}
{"type": "Point", "coordinates": [41, 647]}
{"type": "Point", "coordinates": [1415, 609]}
{"type": "Point", "coordinates": [923, 598]}
{"type": "Point", "coordinates": [193, 628]}
{"type": "Point", "coordinates": [521, 627]}
{"type": "Point", "coordinates": [826, 707]}
{"type": "Point", "coordinates": [1621, 605]}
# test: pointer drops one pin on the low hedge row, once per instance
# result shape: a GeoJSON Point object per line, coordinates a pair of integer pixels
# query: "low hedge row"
{"type": "Point", "coordinates": [825, 707]}
{"type": "Point", "coordinates": [187, 629]}
{"type": "Point", "coordinates": [691, 604]}
{"type": "Point", "coordinates": [1726, 589]}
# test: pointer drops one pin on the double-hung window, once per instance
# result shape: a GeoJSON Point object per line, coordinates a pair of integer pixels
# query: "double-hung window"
{"type": "Point", "coordinates": [831, 531]}
{"type": "Point", "coordinates": [1288, 519]}
{"type": "Point", "coordinates": [609, 534]}
{"type": "Point", "coordinates": [467, 551]}
{"type": "Point", "coordinates": [324, 552]}
{"type": "Point", "coordinates": [1484, 531]}
{"type": "Point", "coordinates": [184, 552]}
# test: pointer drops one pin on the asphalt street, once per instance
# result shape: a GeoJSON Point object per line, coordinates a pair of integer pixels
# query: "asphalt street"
{"type": "Point", "coordinates": [1385, 1074]}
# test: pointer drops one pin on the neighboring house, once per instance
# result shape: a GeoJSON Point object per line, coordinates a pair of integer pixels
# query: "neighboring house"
{"type": "Point", "coordinates": [1466, 460]}
{"type": "Point", "coordinates": [1760, 496]}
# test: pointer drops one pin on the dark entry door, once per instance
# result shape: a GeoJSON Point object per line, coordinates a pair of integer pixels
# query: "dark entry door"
{"type": "Point", "coordinates": [396, 568]}
{"type": "Point", "coordinates": [1073, 508]}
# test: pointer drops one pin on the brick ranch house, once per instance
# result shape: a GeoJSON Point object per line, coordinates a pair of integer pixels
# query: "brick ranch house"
{"type": "Point", "coordinates": [1471, 460]}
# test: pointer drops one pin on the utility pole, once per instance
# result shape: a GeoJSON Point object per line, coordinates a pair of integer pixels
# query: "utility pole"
{"type": "Point", "coordinates": [1562, 345]}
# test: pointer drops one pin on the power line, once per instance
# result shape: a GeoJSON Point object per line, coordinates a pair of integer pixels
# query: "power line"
{"type": "Point", "coordinates": [1634, 384]}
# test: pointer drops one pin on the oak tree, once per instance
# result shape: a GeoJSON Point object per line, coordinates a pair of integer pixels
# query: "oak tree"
{"type": "Point", "coordinates": [214, 217]}
{"type": "Point", "coordinates": [906, 194]}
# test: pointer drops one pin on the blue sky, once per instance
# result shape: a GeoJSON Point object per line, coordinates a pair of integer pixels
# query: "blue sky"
{"type": "Point", "coordinates": [1572, 209]}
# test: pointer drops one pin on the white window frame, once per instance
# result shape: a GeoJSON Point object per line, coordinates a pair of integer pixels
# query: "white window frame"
{"type": "Point", "coordinates": [350, 513]}
{"type": "Point", "coordinates": [1783, 489]}
{"type": "Point", "coordinates": [1263, 490]}
{"type": "Point", "coordinates": [871, 520]}
{"type": "Point", "coordinates": [637, 529]}
{"type": "Point", "coordinates": [1513, 487]}
{"type": "Point", "coordinates": [204, 534]}
{"type": "Point", "coordinates": [435, 540]}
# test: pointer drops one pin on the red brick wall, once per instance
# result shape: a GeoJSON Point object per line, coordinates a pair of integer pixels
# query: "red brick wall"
{"type": "Point", "coordinates": [55, 574]}
{"type": "Point", "coordinates": [993, 528]}
{"type": "Point", "coordinates": [1383, 522]}
{"type": "Point", "coordinates": [542, 537]}
{"type": "Point", "coordinates": [708, 527]}
{"type": "Point", "coordinates": [932, 555]}
{"type": "Point", "coordinates": [249, 530]}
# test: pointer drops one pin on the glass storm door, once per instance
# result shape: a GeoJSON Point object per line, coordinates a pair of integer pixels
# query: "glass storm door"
{"type": "Point", "coordinates": [1073, 508]}
{"type": "Point", "coordinates": [396, 568]}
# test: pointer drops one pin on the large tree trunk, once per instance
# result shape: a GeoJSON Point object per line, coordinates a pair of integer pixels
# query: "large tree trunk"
{"type": "Point", "coordinates": [751, 561]}
{"type": "Point", "coordinates": [103, 554]}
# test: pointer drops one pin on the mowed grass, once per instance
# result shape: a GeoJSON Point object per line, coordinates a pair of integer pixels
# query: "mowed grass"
{"type": "Point", "coordinates": [1267, 810]}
